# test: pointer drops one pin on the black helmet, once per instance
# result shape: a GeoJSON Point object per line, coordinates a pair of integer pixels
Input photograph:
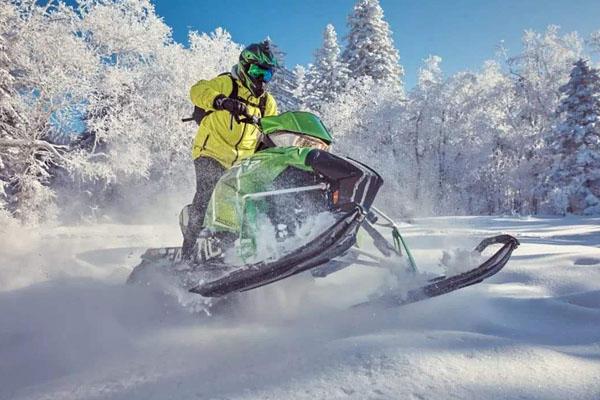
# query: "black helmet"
{"type": "Point", "coordinates": [256, 67]}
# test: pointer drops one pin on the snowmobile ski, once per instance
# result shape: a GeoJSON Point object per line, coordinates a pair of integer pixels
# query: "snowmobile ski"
{"type": "Point", "coordinates": [442, 285]}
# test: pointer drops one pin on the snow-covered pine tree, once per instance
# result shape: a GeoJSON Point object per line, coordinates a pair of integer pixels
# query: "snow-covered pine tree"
{"type": "Point", "coordinates": [370, 48]}
{"type": "Point", "coordinates": [284, 83]}
{"type": "Point", "coordinates": [300, 73]}
{"type": "Point", "coordinates": [594, 42]}
{"type": "Point", "coordinates": [573, 184]}
{"type": "Point", "coordinates": [329, 75]}
{"type": "Point", "coordinates": [540, 69]}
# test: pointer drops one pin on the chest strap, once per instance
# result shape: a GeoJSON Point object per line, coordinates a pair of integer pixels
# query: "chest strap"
{"type": "Point", "coordinates": [199, 113]}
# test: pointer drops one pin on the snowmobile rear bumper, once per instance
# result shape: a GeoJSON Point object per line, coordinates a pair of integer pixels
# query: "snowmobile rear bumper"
{"type": "Point", "coordinates": [330, 244]}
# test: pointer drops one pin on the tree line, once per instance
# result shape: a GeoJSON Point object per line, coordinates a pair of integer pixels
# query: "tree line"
{"type": "Point", "coordinates": [91, 97]}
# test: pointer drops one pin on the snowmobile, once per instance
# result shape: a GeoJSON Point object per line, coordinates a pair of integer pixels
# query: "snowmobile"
{"type": "Point", "coordinates": [292, 181]}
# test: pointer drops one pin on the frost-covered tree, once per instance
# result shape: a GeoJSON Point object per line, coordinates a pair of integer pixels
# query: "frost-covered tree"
{"type": "Point", "coordinates": [328, 76]}
{"type": "Point", "coordinates": [111, 71]}
{"type": "Point", "coordinates": [594, 42]}
{"type": "Point", "coordinates": [573, 184]}
{"type": "Point", "coordinates": [129, 110]}
{"type": "Point", "coordinates": [430, 74]}
{"type": "Point", "coordinates": [133, 115]}
{"type": "Point", "coordinates": [540, 69]}
{"type": "Point", "coordinates": [284, 84]}
{"type": "Point", "coordinates": [371, 132]}
{"type": "Point", "coordinates": [300, 85]}
{"type": "Point", "coordinates": [45, 74]}
{"type": "Point", "coordinates": [537, 73]}
{"type": "Point", "coordinates": [210, 54]}
{"type": "Point", "coordinates": [426, 110]}
{"type": "Point", "coordinates": [452, 142]}
{"type": "Point", "coordinates": [345, 115]}
{"type": "Point", "coordinates": [370, 49]}
{"type": "Point", "coordinates": [488, 149]}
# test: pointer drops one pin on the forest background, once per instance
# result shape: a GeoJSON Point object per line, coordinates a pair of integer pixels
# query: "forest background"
{"type": "Point", "coordinates": [92, 95]}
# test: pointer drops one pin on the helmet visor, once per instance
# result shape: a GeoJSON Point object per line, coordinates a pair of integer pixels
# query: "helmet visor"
{"type": "Point", "coordinates": [257, 72]}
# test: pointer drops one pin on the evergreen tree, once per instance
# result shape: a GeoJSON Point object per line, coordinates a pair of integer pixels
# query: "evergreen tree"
{"type": "Point", "coordinates": [574, 180]}
{"type": "Point", "coordinates": [594, 42]}
{"type": "Point", "coordinates": [370, 50]}
{"type": "Point", "coordinates": [284, 84]}
{"type": "Point", "coordinates": [300, 85]}
{"type": "Point", "coordinates": [329, 75]}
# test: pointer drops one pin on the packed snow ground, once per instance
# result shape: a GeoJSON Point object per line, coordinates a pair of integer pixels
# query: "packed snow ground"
{"type": "Point", "coordinates": [70, 328]}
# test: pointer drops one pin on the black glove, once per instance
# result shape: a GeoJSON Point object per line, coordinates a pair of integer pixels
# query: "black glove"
{"type": "Point", "coordinates": [235, 107]}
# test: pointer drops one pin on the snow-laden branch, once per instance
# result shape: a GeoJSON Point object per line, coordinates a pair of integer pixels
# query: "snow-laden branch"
{"type": "Point", "coordinates": [39, 144]}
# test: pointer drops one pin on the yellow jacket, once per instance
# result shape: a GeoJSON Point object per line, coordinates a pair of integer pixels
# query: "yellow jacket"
{"type": "Point", "coordinates": [217, 137]}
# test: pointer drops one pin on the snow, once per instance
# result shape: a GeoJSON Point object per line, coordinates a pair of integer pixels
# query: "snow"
{"type": "Point", "coordinates": [70, 328]}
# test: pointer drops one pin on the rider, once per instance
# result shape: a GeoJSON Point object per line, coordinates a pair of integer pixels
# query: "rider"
{"type": "Point", "coordinates": [222, 139]}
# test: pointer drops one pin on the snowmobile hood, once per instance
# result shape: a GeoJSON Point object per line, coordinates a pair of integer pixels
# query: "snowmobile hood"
{"type": "Point", "coordinates": [298, 122]}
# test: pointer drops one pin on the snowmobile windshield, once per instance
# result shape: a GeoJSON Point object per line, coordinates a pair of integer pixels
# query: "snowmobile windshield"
{"type": "Point", "coordinates": [299, 122]}
{"type": "Point", "coordinates": [286, 139]}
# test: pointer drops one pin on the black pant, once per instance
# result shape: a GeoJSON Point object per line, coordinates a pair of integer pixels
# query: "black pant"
{"type": "Point", "coordinates": [208, 172]}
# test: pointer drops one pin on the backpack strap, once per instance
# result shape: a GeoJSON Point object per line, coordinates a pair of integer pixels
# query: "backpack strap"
{"type": "Point", "coordinates": [200, 113]}
{"type": "Point", "coordinates": [234, 87]}
{"type": "Point", "coordinates": [262, 105]}
{"type": "Point", "coordinates": [262, 102]}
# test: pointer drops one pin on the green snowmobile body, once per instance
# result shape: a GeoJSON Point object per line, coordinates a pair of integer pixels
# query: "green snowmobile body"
{"type": "Point", "coordinates": [234, 206]}
{"type": "Point", "coordinates": [230, 205]}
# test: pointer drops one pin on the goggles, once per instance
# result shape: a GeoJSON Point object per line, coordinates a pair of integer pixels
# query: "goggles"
{"type": "Point", "coordinates": [257, 72]}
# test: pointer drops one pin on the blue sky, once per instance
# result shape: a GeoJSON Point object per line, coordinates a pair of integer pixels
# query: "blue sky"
{"type": "Point", "coordinates": [463, 32]}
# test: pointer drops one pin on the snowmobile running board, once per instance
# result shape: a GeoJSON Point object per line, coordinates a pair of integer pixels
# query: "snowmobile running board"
{"type": "Point", "coordinates": [443, 285]}
{"type": "Point", "coordinates": [328, 245]}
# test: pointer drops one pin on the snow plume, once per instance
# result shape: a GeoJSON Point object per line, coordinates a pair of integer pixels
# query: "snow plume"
{"type": "Point", "coordinates": [275, 241]}
{"type": "Point", "coordinates": [459, 260]}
